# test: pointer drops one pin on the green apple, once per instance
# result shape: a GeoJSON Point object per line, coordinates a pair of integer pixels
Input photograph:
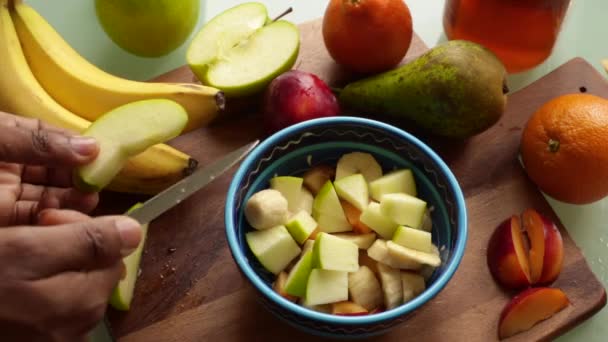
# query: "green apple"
{"type": "Point", "coordinates": [290, 188]}
{"type": "Point", "coordinates": [298, 276]}
{"type": "Point", "coordinates": [404, 209]}
{"type": "Point", "coordinates": [363, 241]}
{"type": "Point", "coordinates": [148, 28]}
{"type": "Point", "coordinates": [122, 295]}
{"type": "Point", "coordinates": [413, 238]}
{"type": "Point", "coordinates": [333, 253]}
{"type": "Point", "coordinates": [412, 284]}
{"type": "Point", "coordinates": [401, 181]}
{"type": "Point", "coordinates": [300, 226]}
{"type": "Point", "coordinates": [274, 248]}
{"type": "Point", "coordinates": [353, 189]}
{"type": "Point", "coordinates": [364, 288]}
{"type": "Point", "coordinates": [327, 210]}
{"type": "Point", "coordinates": [379, 252]}
{"type": "Point", "coordinates": [325, 286]}
{"type": "Point", "coordinates": [372, 217]}
{"type": "Point", "coordinates": [241, 50]}
{"type": "Point", "coordinates": [125, 132]}
{"type": "Point", "coordinates": [390, 278]}
{"type": "Point", "coordinates": [404, 254]}
{"type": "Point", "coordinates": [305, 201]}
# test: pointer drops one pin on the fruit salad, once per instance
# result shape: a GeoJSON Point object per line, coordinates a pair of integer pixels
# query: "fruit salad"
{"type": "Point", "coordinates": [347, 239]}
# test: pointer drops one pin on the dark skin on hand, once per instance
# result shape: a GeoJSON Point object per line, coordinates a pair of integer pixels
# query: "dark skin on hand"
{"type": "Point", "coordinates": [57, 264]}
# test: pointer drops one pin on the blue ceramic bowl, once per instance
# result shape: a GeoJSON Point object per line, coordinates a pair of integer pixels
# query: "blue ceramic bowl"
{"type": "Point", "coordinates": [323, 141]}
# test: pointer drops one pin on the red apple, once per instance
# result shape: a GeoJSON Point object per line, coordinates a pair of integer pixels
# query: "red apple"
{"type": "Point", "coordinates": [297, 96]}
{"type": "Point", "coordinates": [547, 250]}
{"type": "Point", "coordinates": [508, 256]}
{"type": "Point", "coordinates": [348, 309]}
{"type": "Point", "coordinates": [530, 307]}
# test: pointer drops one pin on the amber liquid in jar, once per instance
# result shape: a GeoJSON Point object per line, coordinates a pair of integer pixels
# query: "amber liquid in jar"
{"type": "Point", "coordinates": [520, 32]}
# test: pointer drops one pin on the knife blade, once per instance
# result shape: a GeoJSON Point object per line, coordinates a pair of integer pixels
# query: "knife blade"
{"type": "Point", "coordinates": [179, 191]}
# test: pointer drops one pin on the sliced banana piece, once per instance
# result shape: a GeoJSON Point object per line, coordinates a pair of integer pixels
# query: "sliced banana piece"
{"type": "Point", "coordinates": [358, 162]}
{"type": "Point", "coordinates": [392, 287]}
{"type": "Point", "coordinates": [364, 288]}
{"type": "Point", "coordinates": [266, 209]}
{"type": "Point", "coordinates": [379, 252]}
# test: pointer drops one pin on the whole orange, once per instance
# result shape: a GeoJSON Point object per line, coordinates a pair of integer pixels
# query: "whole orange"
{"type": "Point", "coordinates": [367, 36]}
{"type": "Point", "coordinates": [564, 148]}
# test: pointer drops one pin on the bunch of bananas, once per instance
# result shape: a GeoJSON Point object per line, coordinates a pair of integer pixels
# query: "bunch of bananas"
{"type": "Point", "coordinates": [42, 77]}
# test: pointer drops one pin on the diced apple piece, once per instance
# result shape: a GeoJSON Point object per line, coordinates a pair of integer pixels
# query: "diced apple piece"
{"type": "Point", "coordinates": [308, 245]}
{"type": "Point", "coordinates": [507, 255]}
{"type": "Point", "coordinates": [364, 288]}
{"type": "Point", "coordinates": [363, 241]}
{"type": "Point", "coordinates": [295, 284]}
{"type": "Point", "coordinates": [328, 212]}
{"type": "Point", "coordinates": [353, 216]}
{"type": "Point", "coordinates": [274, 247]}
{"type": "Point", "coordinates": [358, 162]}
{"type": "Point", "coordinates": [400, 181]}
{"type": "Point", "coordinates": [333, 253]}
{"type": "Point", "coordinates": [305, 201]}
{"type": "Point", "coordinates": [413, 285]}
{"type": "Point", "coordinates": [348, 309]}
{"type": "Point", "coordinates": [266, 209]}
{"type": "Point", "coordinates": [546, 247]}
{"type": "Point", "coordinates": [353, 189]}
{"type": "Point", "coordinates": [300, 226]}
{"type": "Point", "coordinates": [404, 254]}
{"type": "Point", "coordinates": [316, 177]}
{"type": "Point", "coordinates": [403, 209]}
{"type": "Point", "coordinates": [381, 224]}
{"type": "Point", "coordinates": [290, 188]}
{"type": "Point", "coordinates": [390, 278]}
{"type": "Point", "coordinates": [413, 238]}
{"type": "Point", "coordinates": [366, 260]}
{"type": "Point", "coordinates": [279, 287]}
{"type": "Point", "coordinates": [529, 308]}
{"type": "Point", "coordinates": [379, 252]}
{"type": "Point", "coordinates": [325, 286]}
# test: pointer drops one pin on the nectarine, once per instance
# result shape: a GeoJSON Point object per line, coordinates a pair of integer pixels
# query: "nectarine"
{"type": "Point", "coordinates": [507, 255]}
{"type": "Point", "coordinates": [352, 215]}
{"type": "Point", "coordinates": [546, 252]}
{"type": "Point", "coordinates": [348, 309]}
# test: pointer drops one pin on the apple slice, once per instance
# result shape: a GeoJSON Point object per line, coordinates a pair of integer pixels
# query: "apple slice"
{"type": "Point", "coordinates": [529, 308]}
{"type": "Point", "coordinates": [508, 256]}
{"type": "Point", "coordinates": [274, 247]}
{"type": "Point", "coordinates": [404, 254]}
{"type": "Point", "coordinates": [379, 252]}
{"type": "Point", "coordinates": [295, 284]}
{"type": "Point", "coordinates": [316, 177]}
{"type": "Point", "coordinates": [236, 50]}
{"type": "Point", "coordinates": [546, 247]}
{"type": "Point", "coordinates": [333, 253]}
{"type": "Point", "coordinates": [404, 209]}
{"type": "Point", "coordinates": [325, 286]}
{"type": "Point", "coordinates": [358, 162]}
{"type": "Point", "coordinates": [413, 238]}
{"type": "Point", "coordinates": [305, 201]}
{"type": "Point", "coordinates": [328, 211]}
{"type": "Point", "coordinates": [290, 188]}
{"type": "Point", "coordinates": [363, 241]}
{"type": "Point", "coordinates": [279, 287]}
{"type": "Point", "coordinates": [125, 132]}
{"type": "Point", "coordinates": [353, 215]}
{"type": "Point", "coordinates": [372, 217]}
{"type": "Point", "coordinates": [364, 288]}
{"type": "Point", "coordinates": [413, 285]}
{"type": "Point", "coordinates": [401, 181]}
{"type": "Point", "coordinates": [390, 278]}
{"type": "Point", "coordinates": [348, 309]}
{"type": "Point", "coordinates": [353, 189]}
{"type": "Point", "coordinates": [300, 226]}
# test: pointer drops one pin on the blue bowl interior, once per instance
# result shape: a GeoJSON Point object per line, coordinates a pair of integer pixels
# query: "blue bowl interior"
{"type": "Point", "coordinates": [324, 141]}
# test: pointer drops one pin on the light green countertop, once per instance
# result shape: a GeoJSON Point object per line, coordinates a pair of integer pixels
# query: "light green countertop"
{"type": "Point", "coordinates": [581, 36]}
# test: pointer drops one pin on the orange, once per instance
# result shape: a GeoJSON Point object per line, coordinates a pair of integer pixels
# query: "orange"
{"type": "Point", "coordinates": [367, 36]}
{"type": "Point", "coordinates": [564, 148]}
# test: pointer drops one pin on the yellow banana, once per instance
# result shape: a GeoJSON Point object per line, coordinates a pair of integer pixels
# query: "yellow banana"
{"type": "Point", "coordinates": [87, 91]}
{"type": "Point", "coordinates": [20, 93]}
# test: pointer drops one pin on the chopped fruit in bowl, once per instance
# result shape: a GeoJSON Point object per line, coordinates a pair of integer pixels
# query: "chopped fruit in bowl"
{"type": "Point", "coordinates": [353, 258]}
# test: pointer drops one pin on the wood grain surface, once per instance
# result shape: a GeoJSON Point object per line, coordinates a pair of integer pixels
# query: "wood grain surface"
{"type": "Point", "coordinates": [190, 288]}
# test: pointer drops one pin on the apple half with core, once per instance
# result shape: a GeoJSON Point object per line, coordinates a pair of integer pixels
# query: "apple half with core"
{"type": "Point", "coordinates": [127, 131]}
{"type": "Point", "coordinates": [327, 210]}
{"type": "Point", "coordinates": [237, 51]}
{"type": "Point", "coordinates": [274, 248]}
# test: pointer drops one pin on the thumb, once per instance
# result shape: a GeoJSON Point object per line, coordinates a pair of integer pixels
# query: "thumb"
{"type": "Point", "coordinates": [43, 146]}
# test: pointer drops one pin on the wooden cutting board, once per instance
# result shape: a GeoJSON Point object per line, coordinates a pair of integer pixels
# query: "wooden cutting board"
{"type": "Point", "coordinates": [190, 288]}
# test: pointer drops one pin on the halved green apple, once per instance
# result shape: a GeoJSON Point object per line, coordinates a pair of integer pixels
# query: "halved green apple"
{"type": "Point", "coordinates": [333, 253]}
{"type": "Point", "coordinates": [328, 212]}
{"type": "Point", "coordinates": [125, 132]}
{"type": "Point", "coordinates": [353, 189]}
{"type": "Point", "coordinates": [274, 248]}
{"type": "Point", "coordinates": [241, 50]}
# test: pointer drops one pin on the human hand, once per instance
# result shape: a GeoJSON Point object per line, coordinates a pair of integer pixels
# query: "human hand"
{"type": "Point", "coordinates": [36, 162]}
{"type": "Point", "coordinates": [56, 280]}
